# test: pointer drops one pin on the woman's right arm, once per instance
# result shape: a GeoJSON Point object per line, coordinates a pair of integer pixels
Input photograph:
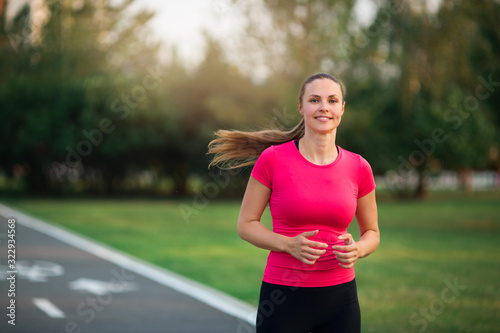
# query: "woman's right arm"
{"type": "Point", "coordinates": [253, 231]}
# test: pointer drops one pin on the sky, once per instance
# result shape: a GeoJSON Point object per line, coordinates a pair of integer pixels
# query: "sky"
{"type": "Point", "coordinates": [179, 22]}
{"type": "Point", "coordinates": [182, 22]}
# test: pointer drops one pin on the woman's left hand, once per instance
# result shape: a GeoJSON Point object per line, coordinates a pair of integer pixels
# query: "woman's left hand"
{"type": "Point", "coordinates": [350, 253]}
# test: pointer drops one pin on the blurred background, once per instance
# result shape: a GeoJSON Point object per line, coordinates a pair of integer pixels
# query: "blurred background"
{"type": "Point", "coordinates": [122, 97]}
{"type": "Point", "coordinates": [107, 108]}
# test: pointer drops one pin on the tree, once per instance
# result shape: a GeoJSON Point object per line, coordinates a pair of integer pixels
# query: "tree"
{"type": "Point", "coordinates": [63, 79]}
{"type": "Point", "coordinates": [433, 114]}
{"type": "Point", "coordinates": [289, 40]}
{"type": "Point", "coordinates": [214, 95]}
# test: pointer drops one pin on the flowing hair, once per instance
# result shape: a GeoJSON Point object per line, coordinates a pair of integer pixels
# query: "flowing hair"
{"type": "Point", "coordinates": [235, 149]}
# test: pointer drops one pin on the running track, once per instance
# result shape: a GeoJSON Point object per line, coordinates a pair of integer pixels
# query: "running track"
{"type": "Point", "coordinates": [64, 282]}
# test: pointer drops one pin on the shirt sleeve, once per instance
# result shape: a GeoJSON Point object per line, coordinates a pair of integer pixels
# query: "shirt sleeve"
{"type": "Point", "coordinates": [366, 179]}
{"type": "Point", "coordinates": [263, 169]}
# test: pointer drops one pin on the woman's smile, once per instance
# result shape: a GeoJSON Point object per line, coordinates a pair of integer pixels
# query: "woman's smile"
{"type": "Point", "coordinates": [323, 118]}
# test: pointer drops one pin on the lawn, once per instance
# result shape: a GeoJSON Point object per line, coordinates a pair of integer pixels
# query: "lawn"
{"type": "Point", "coordinates": [437, 268]}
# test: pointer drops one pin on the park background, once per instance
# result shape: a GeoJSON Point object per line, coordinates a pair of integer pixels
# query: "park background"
{"type": "Point", "coordinates": [104, 127]}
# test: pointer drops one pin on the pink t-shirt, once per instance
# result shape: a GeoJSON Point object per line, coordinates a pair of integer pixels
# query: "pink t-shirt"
{"type": "Point", "coordinates": [308, 197]}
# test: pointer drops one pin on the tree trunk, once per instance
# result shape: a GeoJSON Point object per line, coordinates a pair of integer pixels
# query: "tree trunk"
{"type": "Point", "coordinates": [465, 177]}
{"type": "Point", "coordinates": [422, 190]}
{"type": "Point", "coordinates": [180, 176]}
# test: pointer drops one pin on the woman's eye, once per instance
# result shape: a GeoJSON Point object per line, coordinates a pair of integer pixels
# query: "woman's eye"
{"type": "Point", "coordinates": [314, 100]}
{"type": "Point", "coordinates": [333, 101]}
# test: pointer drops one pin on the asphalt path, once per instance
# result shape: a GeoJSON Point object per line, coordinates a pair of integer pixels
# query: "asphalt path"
{"type": "Point", "coordinates": [66, 283]}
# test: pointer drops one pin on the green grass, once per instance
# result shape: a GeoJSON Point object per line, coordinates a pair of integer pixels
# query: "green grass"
{"type": "Point", "coordinates": [403, 286]}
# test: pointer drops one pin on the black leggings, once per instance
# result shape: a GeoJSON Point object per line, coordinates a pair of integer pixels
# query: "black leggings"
{"type": "Point", "coordinates": [308, 309]}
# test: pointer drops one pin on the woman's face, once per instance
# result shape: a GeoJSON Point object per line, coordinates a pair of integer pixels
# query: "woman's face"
{"type": "Point", "coordinates": [322, 105]}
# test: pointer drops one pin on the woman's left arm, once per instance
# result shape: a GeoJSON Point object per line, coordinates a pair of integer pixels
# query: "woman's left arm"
{"type": "Point", "coordinates": [366, 215]}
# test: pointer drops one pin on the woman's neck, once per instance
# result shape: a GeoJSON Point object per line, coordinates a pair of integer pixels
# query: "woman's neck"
{"type": "Point", "coordinates": [319, 148]}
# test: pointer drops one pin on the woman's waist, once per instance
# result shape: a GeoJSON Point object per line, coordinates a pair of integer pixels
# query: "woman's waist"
{"type": "Point", "coordinates": [327, 261]}
{"type": "Point", "coordinates": [329, 236]}
{"type": "Point", "coordinates": [307, 278]}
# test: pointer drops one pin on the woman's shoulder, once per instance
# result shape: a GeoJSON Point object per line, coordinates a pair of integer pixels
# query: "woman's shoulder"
{"type": "Point", "coordinates": [279, 148]}
{"type": "Point", "coordinates": [286, 145]}
{"type": "Point", "coordinates": [349, 155]}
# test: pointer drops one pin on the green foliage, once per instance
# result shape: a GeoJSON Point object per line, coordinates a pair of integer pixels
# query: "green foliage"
{"type": "Point", "coordinates": [86, 103]}
{"type": "Point", "coordinates": [58, 88]}
{"type": "Point", "coordinates": [424, 69]}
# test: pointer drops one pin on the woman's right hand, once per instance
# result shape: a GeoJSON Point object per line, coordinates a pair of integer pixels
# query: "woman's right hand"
{"type": "Point", "coordinates": [307, 251]}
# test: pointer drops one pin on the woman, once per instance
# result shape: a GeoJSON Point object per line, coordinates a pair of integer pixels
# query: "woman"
{"type": "Point", "coordinates": [314, 189]}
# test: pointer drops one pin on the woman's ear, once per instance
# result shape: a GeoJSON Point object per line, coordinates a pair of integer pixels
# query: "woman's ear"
{"type": "Point", "coordinates": [299, 106]}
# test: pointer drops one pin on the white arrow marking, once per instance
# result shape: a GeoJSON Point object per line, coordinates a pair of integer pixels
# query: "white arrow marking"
{"type": "Point", "coordinates": [50, 309]}
{"type": "Point", "coordinates": [38, 270]}
{"type": "Point", "coordinates": [97, 287]}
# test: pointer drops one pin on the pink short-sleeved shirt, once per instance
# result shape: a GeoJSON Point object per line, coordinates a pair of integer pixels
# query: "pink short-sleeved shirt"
{"type": "Point", "coordinates": [308, 197]}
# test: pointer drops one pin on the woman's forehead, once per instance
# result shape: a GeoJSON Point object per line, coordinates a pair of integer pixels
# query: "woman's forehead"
{"type": "Point", "coordinates": [323, 87]}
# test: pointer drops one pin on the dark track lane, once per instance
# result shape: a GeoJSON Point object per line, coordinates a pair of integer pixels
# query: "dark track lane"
{"type": "Point", "coordinates": [79, 292]}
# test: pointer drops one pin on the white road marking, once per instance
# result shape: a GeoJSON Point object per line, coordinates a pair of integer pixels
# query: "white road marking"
{"type": "Point", "coordinates": [50, 309]}
{"type": "Point", "coordinates": [97, 287]}
{"type": "Point", "coordinates": [214, 298]}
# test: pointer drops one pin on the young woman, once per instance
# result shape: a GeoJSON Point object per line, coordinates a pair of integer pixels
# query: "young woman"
{"type": "Point", "coordinates": [314, 189]}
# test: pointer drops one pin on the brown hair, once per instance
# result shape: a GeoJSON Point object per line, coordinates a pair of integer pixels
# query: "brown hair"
{"type": "Point", "coordinates": [234, 149]}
